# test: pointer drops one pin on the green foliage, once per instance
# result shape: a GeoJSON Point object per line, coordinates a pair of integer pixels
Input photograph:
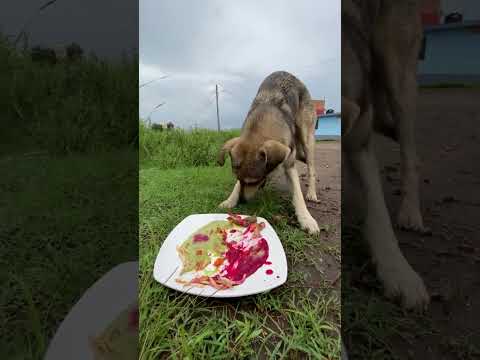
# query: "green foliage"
{"type": "Point", "coordinates": [176, 148]}
{"type": "Point", "coordinates": [66, 221]}
{"type": "Point", "coordinates": [66, 107]}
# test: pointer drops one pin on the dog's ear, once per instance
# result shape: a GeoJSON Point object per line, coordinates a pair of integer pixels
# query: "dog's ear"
{"type": "Point", "coordinates": [273, 153]}
{"type": "Point", "coordinates": [226, 148]}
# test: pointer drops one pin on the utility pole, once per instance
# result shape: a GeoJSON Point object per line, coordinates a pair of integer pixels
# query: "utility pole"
{"type": "Point", "coordinates": [218, 115]}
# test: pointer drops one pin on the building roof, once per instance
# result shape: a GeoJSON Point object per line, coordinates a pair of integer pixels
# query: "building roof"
{"type": "Point", "coordinates": [319, 106]}
{"type": "Point", "coordinates": [453, 26]}
{"type": "Point", "coordinates": [337, 114]}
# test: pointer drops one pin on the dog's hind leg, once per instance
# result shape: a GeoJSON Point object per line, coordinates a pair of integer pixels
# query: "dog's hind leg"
{"type": "Point", "coordinates": [396, 274]}
{"type": "Point", "coordinates": [305, 219]}
{"type": "Point", "coordinates": [307, 139]}
{"type": "Point", "coordinates": [234, 197]}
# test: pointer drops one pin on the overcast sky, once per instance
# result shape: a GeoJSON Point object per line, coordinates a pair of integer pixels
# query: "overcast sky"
{"type": "Point", "coordinates": [235, 44]}
{"type": "Point", "coordinates": [106, 27]}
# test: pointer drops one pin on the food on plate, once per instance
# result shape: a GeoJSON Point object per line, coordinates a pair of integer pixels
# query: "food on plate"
{"type": "Point", "coordinates": [222, 254]}
{"type": "Point", "coordinates": [120, 339]}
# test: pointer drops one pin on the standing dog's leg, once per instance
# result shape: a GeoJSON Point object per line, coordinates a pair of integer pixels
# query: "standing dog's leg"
{"type": "Point", "coordinates": [232, 200]}
{"type": "Point", "coordinates": [409, 215]}
{"type": "Point", "coordinates": [310, 155]}
{"type": "Point", "coordinates": [308, 144]}
{"type": "Point", "coordinates": [306, 220]}
{"type": "Point", "coordinates": [397, 51]}
{"type": "Point", "coordinates": [395, 272]}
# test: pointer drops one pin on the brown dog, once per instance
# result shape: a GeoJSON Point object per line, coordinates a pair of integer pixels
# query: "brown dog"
{"type": "Point", "coordinates": [381, 40]}
{"type": "Point", "coordinates": [279, 129]}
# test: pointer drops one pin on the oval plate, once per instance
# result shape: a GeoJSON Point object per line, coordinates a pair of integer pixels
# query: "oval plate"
{"type": "Point", "coordinates": [168, 264]}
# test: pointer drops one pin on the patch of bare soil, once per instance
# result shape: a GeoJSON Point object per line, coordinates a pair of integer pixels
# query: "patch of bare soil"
{"type": "Point", "coordinates": [448, 138]}
{"type": "Point", "coordinates": [327, 256]}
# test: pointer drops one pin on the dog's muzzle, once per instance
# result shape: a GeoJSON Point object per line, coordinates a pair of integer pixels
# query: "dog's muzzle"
{"type": "Point", "coordinates": [258, 183]}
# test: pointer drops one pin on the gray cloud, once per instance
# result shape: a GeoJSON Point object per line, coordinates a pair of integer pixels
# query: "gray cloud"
{"type": "Point", "coordinates": [234, 44]}
{"type": "Point", "coordinates": [106, 27]}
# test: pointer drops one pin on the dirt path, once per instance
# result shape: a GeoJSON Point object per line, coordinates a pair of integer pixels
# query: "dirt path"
{"type": "Point", "coordinates": [327, 211]}
{"type": "Point", "coordinates": [448, 138]}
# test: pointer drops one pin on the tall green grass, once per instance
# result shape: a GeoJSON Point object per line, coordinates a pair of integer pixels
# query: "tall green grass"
{"type": "Point", "coordinates": [68, 190]}
{"type": "Point", "coordinates": [180, 148]}
{"type": "Point", "coordinates": [81, 106]}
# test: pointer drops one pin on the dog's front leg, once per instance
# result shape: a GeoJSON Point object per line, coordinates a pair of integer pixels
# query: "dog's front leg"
{"type": "Point", "coordinates": [400, 76]}
{"type": "Point", "coordinates": [312, 183]}
{"type": "Point", "coordinates": [409, 215]}
{"type": "Point", "coordinates": [394, 271]}
{"type": "Point", "coordinates": [307, 134]}
{"type": "Point", "coordinates": [306, 220]}
{"type": "Point", "coordinates": [234, 197]}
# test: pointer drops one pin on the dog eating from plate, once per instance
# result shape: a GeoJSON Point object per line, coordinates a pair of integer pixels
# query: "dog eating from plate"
{"type": "Point", "coordinates": [279, 129]}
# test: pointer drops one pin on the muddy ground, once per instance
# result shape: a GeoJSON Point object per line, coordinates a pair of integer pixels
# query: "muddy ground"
{"type": "Point", "coordinates": [327, 257]}
{"type": "Point", "coordinates": [448, 138]}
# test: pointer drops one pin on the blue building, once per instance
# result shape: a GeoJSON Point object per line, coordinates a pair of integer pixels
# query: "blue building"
{"type": "Point", "coordinates": [451, 54]}
{"type": "Point", "coordinates": [328, 127]}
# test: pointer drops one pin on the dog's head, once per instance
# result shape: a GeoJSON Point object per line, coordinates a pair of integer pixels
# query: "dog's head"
{"type": "Point", "coordinates": [252, 161]}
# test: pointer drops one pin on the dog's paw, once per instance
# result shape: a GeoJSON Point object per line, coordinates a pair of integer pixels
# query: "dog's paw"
{"type": "Point", "coordinates": [401, 281]}
{"type": "Point", "coordinates": [311, 196]}
{"type": "Point", "coordinates": [410, 218]}
{"type": "Point", "coordinates": [309, 224]}
{"type": "Point", "coordinates": [227, 204]}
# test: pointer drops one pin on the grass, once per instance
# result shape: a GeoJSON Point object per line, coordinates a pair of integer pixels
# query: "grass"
{"type": "Point", "coordinates": [178, 148]}
{"type": "Point", "coordinates": [65, 223]}
{"type": "Point", "coordinates": [290, 322]}
{"type": "Point", "coordinates": [372, 326]}
{"type": "Point", "coordinates": [82, 106]}
{"type": "Point", "coordinates": [68, 190]}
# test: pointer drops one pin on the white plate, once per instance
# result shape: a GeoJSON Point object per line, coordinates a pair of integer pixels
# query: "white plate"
{"type": "Point", "coordinates": [168, 264]}
{"type": "Point", "coordinates": [95, 310]}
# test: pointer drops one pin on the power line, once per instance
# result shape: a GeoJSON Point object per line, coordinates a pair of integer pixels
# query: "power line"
{"type": "Point", "coordinates": [153, 110]}
{"type": "Point", "coordinates": [27, 23]}
{"type": "Point", "coordinates": [228, 92]}
{"type": "Point", "coordinates": [151, 81]}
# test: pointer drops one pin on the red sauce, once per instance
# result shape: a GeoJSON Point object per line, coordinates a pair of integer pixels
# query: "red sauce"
{"type": "Point", "coordinates": [242, 263]}
{"type": "Point", "coordinates": [200, 237]}
{"type": "Point", "coordinates": [268, 263]}
{"type": "Point", "coordinates": [269, 272]}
